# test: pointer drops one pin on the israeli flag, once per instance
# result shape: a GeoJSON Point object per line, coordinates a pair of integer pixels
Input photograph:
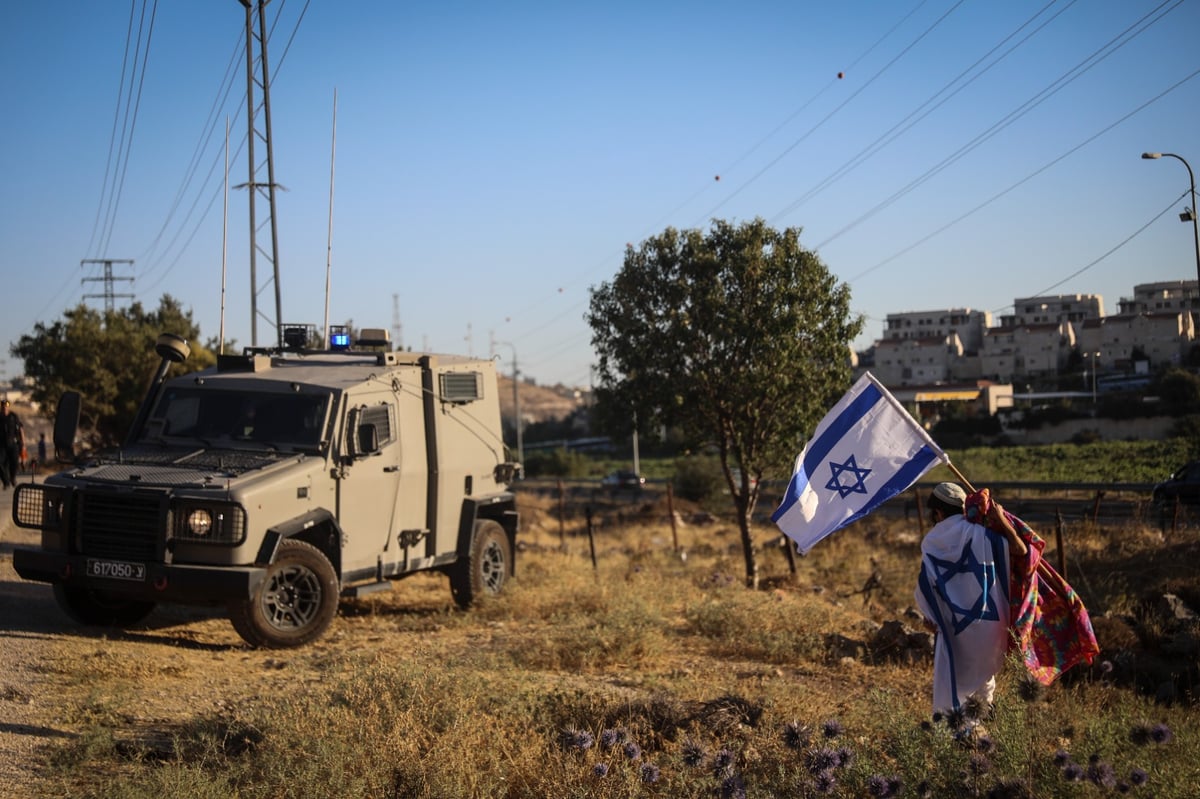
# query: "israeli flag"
{"type": "Point", "coordinates": [865, 451]}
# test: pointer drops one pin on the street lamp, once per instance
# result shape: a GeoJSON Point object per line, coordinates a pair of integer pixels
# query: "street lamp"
{"type": "Point", "coordinates": [1095, 355]}
{"type": "Point", "coordinates": [1190, 213]}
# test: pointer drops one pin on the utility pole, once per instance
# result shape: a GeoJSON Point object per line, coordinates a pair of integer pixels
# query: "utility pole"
{"type": "Point", "coordinates": [516, 400]}
{"type": "Point", "coordinates": [108, 279]}
{"type": "Point", "coordinates": [397, 328]}
{"type": "Point", "coordinates": [260, 130]}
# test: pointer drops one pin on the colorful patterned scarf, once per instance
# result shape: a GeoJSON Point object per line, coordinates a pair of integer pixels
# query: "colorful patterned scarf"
{"type": "Point", "coordinates": [1049, 624]}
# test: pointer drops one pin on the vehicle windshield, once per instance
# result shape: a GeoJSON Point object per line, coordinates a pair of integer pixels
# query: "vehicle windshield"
{"type": "Point", "coordinates": [214, 417]}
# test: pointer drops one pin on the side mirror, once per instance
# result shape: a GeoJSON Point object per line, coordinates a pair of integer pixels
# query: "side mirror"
{"type": "Point", "coordinates": [66, 424]}
{"type": "Point", "coordinates": [368, 439]}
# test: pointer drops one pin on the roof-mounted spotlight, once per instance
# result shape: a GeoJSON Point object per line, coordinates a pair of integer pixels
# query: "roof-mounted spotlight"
{"type": "Point", "coordinates": [339, 337]}
{"type": "Point", "coordinates": [295, 337]}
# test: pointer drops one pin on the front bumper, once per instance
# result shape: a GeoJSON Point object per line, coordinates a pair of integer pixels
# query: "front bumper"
{"type": "Point", "coordinates": [163, 582]}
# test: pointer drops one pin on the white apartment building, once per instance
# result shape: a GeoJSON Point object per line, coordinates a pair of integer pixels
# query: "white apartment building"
{"type": "Point", "coordinates": [1054, 309]}
{"type": "Point", "coordinates": [1027, 350]}
{"type": "Point", "coordinates": [912, 325]}
{"type": "Point", "coordinates": [1161, 338]}
{"type": "Point", "coordinates": [1166, 295]}
{"type": "Point", "coordinates": [1037, 339]}
{"type": "Point", "coordinates": [916, 361]}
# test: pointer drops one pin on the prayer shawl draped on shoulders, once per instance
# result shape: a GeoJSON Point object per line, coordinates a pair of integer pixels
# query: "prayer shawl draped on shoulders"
{"type": "Point", "coordinates": [963, 589]}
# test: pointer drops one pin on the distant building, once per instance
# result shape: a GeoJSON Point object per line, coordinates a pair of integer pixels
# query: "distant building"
{"type": "Point", "coordinates": [916, 361]}
{"type": "Point", "coordinates": [966, 323]}
{"type": "Point", "coordinates": [1161, 338]}
{"type": "Point", "coordinates": [1167, 295]}
{"type": "Point", "coordinates": [1017, 352]}
{"type": "Point", "coordinates": [1073, 308]}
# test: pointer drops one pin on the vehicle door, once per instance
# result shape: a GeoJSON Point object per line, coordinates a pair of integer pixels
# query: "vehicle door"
{"type": "Point", "coordinates": [368, 483]}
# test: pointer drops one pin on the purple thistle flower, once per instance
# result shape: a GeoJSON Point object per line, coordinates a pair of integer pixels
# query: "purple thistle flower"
{"type": "Point", "coordinates": [722, 762]}
{"type": "Point", "coordinates": [926, 725]}
{"type": "Point", "coordinates": [693, 753]}
{"type": "Point", "coordinates": [600, 769]}
{"type": "Point", "coordinates": [824, 782]}
{"type": "Point", "coordinates": [877, 787]}
{"type": "Point", "coordinates": [1139, 777]}
{"type": "Point", "coordinates": [1093, 758]}
{"type": "Point", "coordinates": [796, 735]}
{"type": "Point", "coordinates": [649, 773]}
{"type": "Point", "coordinates": [985, 744]}
{"type": "Point", "coordinates": [895, 786]}
{"type": "Point", "coordinates": [845, 756]}
{"type": "Point", "coordinates": [978, 764]}
{"type": "Point", "coordinates": [610, 738]}
{"type": "Point", "coordinates": [1072, 772]}
{"type": "Point", "coordinates": [822, 760]}
{"type": "Point", "coordinates": [733, 787]}
{"type": "Point", "coordinates": [924, 790]}
{"type": "Point", "coordinates": [632, 750]}
{"type": "Point", "coordinates": [574, 738]}
{"type": "Point", "coordinates": [1161, 734]}
{"type": "Point", "coordinates": [832, 728]}
{"type": "Point", "coordinates": [1123, 787]}
{"type": "Point", "coordinates": [1102, 774]}
{"type": "Point", "coordinates": [1062, 757]}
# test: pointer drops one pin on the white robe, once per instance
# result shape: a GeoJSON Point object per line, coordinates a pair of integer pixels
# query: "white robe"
{"type": "Point", "coordinates": [963, 590]}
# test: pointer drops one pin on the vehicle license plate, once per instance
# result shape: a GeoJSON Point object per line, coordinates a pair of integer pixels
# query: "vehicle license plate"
{"type": "Point", "coordinates": [116, 569]}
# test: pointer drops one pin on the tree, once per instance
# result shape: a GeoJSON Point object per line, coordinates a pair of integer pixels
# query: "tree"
{"type": "Point", "coordinates": [739, 336]}
{"type": "Point", "coordinates": [108, 358]}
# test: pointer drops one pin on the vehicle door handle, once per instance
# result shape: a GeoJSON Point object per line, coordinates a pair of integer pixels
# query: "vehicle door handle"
{"type": "Point", "coordinates": [391, 468]}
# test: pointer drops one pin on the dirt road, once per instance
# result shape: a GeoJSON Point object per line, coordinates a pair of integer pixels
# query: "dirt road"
{"type": "Point", "coordinates": [29, 626]}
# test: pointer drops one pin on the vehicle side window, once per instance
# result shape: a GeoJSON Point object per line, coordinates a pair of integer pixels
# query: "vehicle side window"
{"type": "Point", "coordinates": [381, 417]}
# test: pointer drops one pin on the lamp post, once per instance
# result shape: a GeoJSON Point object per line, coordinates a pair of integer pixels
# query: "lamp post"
{"type": "Point", "coordinates": [1191, 212]}
{"type": "Point", "coordinates": [1095, 355]}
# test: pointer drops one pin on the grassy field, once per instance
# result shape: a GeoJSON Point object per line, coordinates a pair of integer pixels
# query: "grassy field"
{"type": "Point", "coordinates": [657, 673]}
{"type": "Point", "coordinates": [1103, 461]}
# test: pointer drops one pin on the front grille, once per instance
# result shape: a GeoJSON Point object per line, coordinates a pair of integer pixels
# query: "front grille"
{"type": "Point", "coordinates": [121, 525]}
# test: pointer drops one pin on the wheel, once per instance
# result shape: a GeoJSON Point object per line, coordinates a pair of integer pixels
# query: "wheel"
{"type": "Point", "coordinates": [93, 606]}
{"type": "Point", "coordinates": [486, 568]}
{"type": "Point", "coordinates": [295, 602]}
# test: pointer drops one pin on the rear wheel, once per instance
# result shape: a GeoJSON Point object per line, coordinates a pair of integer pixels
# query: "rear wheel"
{"type": "Point", "coordinates": [295, 602]}
{"type": "Point", "coordinates": [485, 570]}
{"type": "Point", "coordinates": [93, 606]}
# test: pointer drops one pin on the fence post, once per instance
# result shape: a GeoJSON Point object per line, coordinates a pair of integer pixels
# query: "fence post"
{"type": "Point", "coordinates": [591, 538]}
{"type": "Point", "coordinates": [562, 512]}
{"type": "Point", "coordinates": [671, 513]}
{"type": "Point", "coordinates": [1058, 541]}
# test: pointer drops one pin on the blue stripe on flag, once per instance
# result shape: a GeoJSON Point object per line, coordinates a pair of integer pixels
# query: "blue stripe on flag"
{"type": "Point", "coordinates": [850, 416]}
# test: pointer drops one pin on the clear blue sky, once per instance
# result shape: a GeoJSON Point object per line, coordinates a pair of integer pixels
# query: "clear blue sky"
{"type": "Point", "coordinates": [493, 160]}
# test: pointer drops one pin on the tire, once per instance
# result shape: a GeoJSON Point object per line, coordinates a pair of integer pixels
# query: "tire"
{"type": "Point", "coordinates": [294, 604]}
{"type": "Point", "coordinates": [95, 607]}
{"type": "Point", "coordinates": [486, 568]}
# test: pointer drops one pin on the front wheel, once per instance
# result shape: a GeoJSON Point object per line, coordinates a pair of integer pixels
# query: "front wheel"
{"type": "Point", "coordinates": [485, 570]}
{"type": "Point", "coordinates": [100, 608]}
{"type": "Point", "coordinates": [295, 602]}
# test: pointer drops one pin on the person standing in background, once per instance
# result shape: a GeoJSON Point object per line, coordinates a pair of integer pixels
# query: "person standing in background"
{"type": "Point", "coordinates": [14, 442]}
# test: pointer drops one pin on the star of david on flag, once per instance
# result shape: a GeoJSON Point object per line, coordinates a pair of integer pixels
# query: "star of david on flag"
{"type": "Point", "coordinates": [865, 451]}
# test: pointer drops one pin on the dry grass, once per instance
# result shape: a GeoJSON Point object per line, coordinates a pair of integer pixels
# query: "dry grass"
{"type": "Point", "coordinates": [717, 690]}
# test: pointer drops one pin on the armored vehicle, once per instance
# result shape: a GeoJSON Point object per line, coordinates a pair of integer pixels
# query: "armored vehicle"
{"type": "Point", "coordinates": [277, 481]}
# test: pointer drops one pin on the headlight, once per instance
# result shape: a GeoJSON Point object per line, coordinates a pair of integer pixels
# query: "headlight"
{"type": "Point", "coordinates": [208, 522]}
{"type": "Point", "coordinates": [200, 522]}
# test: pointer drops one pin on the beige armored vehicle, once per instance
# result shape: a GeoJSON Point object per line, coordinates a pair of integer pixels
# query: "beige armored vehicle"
{"type": "Point", "coordinates": [276, 482]}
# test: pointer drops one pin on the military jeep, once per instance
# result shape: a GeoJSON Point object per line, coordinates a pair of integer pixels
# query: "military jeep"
{"type": "Point", "coordinates": [277, 481]}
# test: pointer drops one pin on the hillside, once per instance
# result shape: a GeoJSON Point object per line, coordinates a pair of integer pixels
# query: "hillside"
{"type": "Point", "coordinates": [540, 403]}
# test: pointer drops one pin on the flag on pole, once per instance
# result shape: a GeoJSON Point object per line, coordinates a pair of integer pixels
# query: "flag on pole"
{"type": "Point", "coordinates": [866, 450]}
